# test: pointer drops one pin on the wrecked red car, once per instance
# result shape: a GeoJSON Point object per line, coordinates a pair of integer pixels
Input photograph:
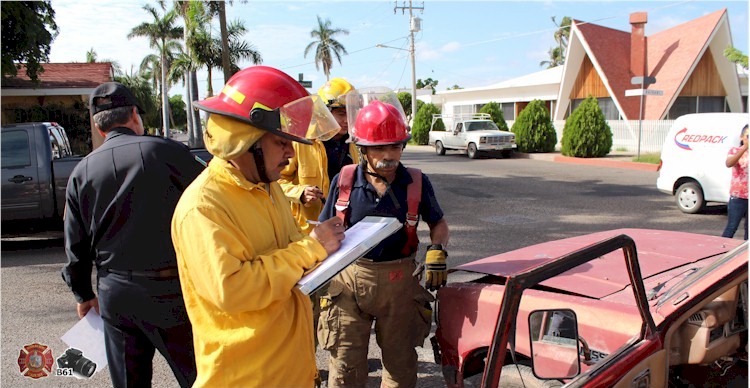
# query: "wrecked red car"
{"type": "Point", "coordinates": [621, 308]}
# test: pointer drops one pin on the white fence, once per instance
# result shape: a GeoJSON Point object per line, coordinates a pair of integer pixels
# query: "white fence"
{"type": "Point", "coordinates": [625, 134]}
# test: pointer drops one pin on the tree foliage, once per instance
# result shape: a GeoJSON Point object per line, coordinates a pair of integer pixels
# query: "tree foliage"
{"type": "Point", "coordinates": [179, 114]}
{"type": "Point", "coordinates": [736, 56]}
{"type": "Point", "coordinates": [28, 29]}
{"type": "Point", "coordinates": [427, 83]}
{"type": "Point", "coordinates": [405, 99]}
{"type": "Point", "coordinates": [496, 112]}
{"type": "Point", "coordinates": [557, 54]}
{"type": "Point", "coordinates": [534, 130]}
{"type": "Point", "coordinates": [586, 133]}
{"type": "Point", "coordinates": [326, 46]}
{"type": "Point", "coordinates": [420, 132]}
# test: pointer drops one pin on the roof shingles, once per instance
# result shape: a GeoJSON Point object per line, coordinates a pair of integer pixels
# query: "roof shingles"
{"type": "Point", "coordinates": [62, 76]}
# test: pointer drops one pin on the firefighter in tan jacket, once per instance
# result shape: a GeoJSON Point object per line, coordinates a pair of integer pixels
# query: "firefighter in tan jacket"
{"type": "Point", "coordinates": [306, 180]}
{"type": "Point", "coordinates": [239, 251]}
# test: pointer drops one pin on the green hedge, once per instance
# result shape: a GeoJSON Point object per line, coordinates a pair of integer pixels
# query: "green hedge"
{"type": "Point", "coordinates": [586, 133]}
{"type": "Point", "coordinates": [496, 112]}
{"type": "Point", "coordinates": [420, 132]}
{"type": "Point", "coordinates": [534, 130]}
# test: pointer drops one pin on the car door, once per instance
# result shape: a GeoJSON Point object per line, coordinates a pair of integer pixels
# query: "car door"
{"type": "Point", "coordinates": [455, 138]}
{"type": "Point", "coordinates": [20, 185]}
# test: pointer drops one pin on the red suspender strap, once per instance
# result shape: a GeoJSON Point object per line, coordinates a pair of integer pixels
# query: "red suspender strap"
{"type": "Point", "coordinates": [346, 181]}
{"type": "Point", "coordinates": [413, 198]}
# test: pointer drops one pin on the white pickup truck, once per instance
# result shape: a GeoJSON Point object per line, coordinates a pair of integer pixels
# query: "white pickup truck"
{"type": "Point", "coordinates": [473, 133]}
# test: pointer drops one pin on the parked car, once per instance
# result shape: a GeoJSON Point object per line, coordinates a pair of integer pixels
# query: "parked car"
{"type": "Point", "coordinates": [473, 133]}
{"type": "Point", "coordinates": [693, 158]}
{"type": "Point", "coordinates": [36, 163]}
{"type": "Point", "coordinates": [621, 308]}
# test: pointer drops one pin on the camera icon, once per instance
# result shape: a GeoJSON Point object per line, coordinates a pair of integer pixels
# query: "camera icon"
{"type": "Point", "coordinates": [80, 365]}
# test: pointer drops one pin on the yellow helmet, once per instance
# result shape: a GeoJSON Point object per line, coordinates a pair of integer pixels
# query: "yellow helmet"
{"type": "Point", "coordinates": [334, 92]}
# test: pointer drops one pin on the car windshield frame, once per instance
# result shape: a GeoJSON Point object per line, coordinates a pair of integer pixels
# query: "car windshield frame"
{"type": "Point", "coordinates": [691, 278]}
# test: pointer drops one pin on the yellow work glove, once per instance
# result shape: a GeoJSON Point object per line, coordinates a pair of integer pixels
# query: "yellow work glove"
{"type": "Point", "coordinates": [436, 269]}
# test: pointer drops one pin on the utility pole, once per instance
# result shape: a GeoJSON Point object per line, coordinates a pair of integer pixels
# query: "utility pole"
{"type": "Point", "coordinates": [415, 25]}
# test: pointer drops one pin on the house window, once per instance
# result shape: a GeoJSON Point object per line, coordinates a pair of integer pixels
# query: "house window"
{"type": "Point", "coordinates": [686, 105]}
{"type": "Point", "coordinates": [710, 104]}
{"type": "Point", "coordinates": [606, 104]}
{"type": "Point", "coordinates": [509, 110]}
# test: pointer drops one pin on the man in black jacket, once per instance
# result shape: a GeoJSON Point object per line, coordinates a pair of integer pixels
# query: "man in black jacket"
{"type": "Point", "coordinates": [119, 205]}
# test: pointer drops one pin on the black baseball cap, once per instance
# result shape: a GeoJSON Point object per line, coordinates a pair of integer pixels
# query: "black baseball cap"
{"type": "Point", "coordinates": [118, 95]}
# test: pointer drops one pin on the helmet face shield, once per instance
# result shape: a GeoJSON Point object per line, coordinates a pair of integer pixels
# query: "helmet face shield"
{"type": "Point", "coordinates": [304, 118]}
{"type": "Point", "coordinates": [360, 99]}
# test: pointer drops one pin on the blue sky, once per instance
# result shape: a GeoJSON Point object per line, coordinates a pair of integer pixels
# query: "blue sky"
{"type": "Point", "coordinates": [461, 43]}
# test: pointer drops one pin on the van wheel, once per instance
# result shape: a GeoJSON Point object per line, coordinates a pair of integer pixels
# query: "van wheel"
{"type": "Point", "coordinates": [689, 198]}
{"type": "Point", "coordinates": [521, 376]}
{"type": "Point", "coordinates": [471, 151]}
{"type": "Point", "coordinates": [439, 149]}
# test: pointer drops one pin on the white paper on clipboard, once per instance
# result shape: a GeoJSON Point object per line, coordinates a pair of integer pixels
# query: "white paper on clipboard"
{"type": "Point", "coordinates": [358, 240]}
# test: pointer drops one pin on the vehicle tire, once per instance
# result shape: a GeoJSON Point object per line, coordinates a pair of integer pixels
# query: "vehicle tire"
{"type": "Point", "coordinates": [689, 198]}
{"type": "Point", "coordinates": [507, 154]}
{"type": "Point", "coordinates": [439, 149]}
{"type": "Point", "coordinates": [511, 378]}
{"type": "Point", "coordinates": [471, 151]}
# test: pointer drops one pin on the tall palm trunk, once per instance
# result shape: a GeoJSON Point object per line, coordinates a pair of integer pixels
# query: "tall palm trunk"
{"type": "Point", "coordinates": [164, 96]}
{"type": "Point", "coordinates": [197, 127]}
{"type": "Point", "coordinates": [224, 42]}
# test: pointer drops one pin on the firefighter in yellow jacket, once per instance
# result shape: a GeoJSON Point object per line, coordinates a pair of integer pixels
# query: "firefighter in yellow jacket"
{"type": "Point", "coordinates": [239, 251]}
{"type": "Point", "coordinates": [306, 180]}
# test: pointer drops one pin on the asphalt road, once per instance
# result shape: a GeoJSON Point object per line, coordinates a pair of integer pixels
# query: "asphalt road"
{"type": "Point", "coordinates": [492, 206]}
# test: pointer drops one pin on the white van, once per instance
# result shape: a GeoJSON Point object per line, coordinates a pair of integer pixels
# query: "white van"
{"type": "Point", "coordinates": [693, 158]}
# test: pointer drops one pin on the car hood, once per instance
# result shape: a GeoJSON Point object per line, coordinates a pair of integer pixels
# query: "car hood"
{"type": "Point", "coordinates": [658, 251]}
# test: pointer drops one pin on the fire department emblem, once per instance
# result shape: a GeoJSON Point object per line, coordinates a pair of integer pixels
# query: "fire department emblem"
{"type": "Point", "coordinates": [35, 361]}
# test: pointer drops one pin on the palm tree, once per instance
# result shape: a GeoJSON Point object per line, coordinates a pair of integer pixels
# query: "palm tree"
{"type": "Point", "coordinates": [325, 45]}
{"type": "Point", "coordinates": [208, 50]}
{"type": "Point", "coordinates": [194, 16]}
{"type": "Point", "coordinates": [92, 57]}
{"type": "Point", "coordinates": [557, 54]}
{"type": "Point", "coordinates": [160, 32]}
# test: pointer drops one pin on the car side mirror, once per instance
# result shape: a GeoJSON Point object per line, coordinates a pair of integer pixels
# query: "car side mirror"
{"type": "Point", "coordinates": [554, 344]}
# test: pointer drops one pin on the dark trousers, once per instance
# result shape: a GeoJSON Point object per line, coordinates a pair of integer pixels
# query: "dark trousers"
{"type": "Point", "coordinates": [736, 211]}
{"type": "Point", "coordinates": [140, 316]}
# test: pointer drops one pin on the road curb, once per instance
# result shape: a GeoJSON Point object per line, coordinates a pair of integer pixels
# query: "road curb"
{"type": "Point", "coordinates": [607, 163]}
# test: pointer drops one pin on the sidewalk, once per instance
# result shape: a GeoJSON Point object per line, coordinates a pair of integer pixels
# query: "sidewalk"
{"type": "Point", "coordinates": [613, 160]}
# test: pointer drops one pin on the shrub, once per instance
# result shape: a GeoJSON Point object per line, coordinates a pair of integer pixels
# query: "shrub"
{"type": "Point", "coordinates": [586, 133]}
{"type": "Point", "coordinates": [496, 112]}
{"type": "Point", "coordinates": [534, 130]}
{"type": "Point", "coordinates": [420, 131]}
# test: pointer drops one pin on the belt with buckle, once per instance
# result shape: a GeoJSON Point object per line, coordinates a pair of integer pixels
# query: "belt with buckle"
{"type": "Point", "coordinates": [164, 273]}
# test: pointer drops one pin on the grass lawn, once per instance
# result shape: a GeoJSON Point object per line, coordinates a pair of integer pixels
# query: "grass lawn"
{"type": "Point", "coordinates": [648, 158]}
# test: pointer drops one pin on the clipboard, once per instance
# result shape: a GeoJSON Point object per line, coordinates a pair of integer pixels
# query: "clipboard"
{"type": "Point", "coordinates": [358, 240]}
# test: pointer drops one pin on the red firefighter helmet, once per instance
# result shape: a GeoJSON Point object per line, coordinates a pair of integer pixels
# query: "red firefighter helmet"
{"type": "Point", "coordinates": [254, 95]}
{"type": "Point", "coordinates": [380, 123]}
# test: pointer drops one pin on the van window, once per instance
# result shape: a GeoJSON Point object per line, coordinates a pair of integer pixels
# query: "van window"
{"type": "Point", "coordinates": [15, 149]}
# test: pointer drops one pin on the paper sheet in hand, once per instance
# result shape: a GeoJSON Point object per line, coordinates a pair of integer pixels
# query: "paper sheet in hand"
{"type": "Point", "coordinates": [358, 240]}
{"type": "Point", "coordinates": [87, 335]}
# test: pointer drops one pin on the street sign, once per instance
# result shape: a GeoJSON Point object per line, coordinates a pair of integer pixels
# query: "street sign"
{"type": "Point", "coordinates": [306, 84]}
{"type": "Point", "coordinates": [643, 92]}
{"type": "Point", "coordinates": [643, 80]}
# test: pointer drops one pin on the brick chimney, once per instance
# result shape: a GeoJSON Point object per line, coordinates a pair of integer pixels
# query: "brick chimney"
{"type": "Point", "coordinates": [638, 46]}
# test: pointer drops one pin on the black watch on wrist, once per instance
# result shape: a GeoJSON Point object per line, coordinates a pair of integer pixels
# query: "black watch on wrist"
{"type": "Point", "coordinates": [435, 247]}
